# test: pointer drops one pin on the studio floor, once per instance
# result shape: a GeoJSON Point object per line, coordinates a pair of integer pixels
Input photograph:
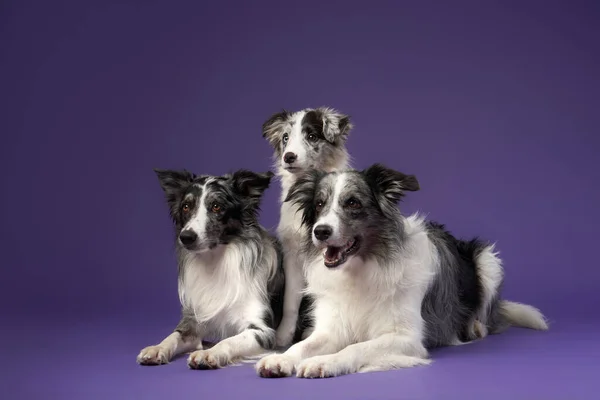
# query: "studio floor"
{"type": "Point", "coordinates": [94, 358]}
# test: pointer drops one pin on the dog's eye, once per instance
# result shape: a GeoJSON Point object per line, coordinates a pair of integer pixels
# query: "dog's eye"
{"type": "Point", "coordinates": [285, 138]}
{"type": "Point", "coordinates": [215, 208]}
{"type": "Point", "coordinates": [185, 207]}
{"type": "Point", "coordinates": [312, 137]}
{"type": "Point", "coordinates": [319, 205]}
{"type": "Point", "coordinates": [353, 203]}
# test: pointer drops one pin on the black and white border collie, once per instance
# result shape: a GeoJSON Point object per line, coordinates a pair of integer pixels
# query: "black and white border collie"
{"type": "Point", "coordinates": [230, 270]}
{"type": "Point", "coordinates": [387, 287]}
{"type": "Point", "coordinates": [302, 140]}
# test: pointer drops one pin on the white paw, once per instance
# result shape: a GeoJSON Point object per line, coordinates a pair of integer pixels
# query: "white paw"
{"type": "Point", "coordinates": [275, 366]}
{"type": "Point", "coordinates": [285, 334]}
{"type": "Point", "coordinates": [208, 359]}
{"type": "Point", "coordinates": [153, 355]}
{"type": "Point", "coordinates": [479, 329]}
{"type": "Point", "coordinates": [319, 367]}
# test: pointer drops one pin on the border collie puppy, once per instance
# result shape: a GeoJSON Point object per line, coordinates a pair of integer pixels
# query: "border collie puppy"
{"type": "Point", "coordinates": [230, 272]}
{"type": "Point", "coordinates": [387, 287]}
{"type": "Point", "coordinates": [302, 140]}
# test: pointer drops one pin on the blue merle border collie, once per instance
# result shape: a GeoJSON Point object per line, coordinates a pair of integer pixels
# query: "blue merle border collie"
{"type": "Point", "coordinates": [387, 287]}
{"type": "Point", "coordinates": [312, 138]}
{"type": "Point", "coordinates": [230, 270]}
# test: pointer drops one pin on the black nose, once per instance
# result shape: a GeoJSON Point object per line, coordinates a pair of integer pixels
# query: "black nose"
{"type": "Point", "coordinates": [322, 232]}
{"type": "Point", "coordinates": [188, 237]}
{"type": "Point", "coordinates": [289, 157]}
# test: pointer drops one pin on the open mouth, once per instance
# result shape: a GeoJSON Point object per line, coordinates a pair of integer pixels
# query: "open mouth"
{"type": "Point", "coordinates": [336, 256]}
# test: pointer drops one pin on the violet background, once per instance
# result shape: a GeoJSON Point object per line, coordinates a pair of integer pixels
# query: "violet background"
{"type": "Point", "coordinates": [493, 105]}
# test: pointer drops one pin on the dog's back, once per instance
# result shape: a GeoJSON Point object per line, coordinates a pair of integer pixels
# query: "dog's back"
{"type": "Point", "coordinates": [463, 303]}
{"type": "Point", "coordinates": [455, 296]}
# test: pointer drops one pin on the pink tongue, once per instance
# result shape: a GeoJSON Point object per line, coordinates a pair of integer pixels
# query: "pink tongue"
{"type": "Point", "coordinates": [332, 253]}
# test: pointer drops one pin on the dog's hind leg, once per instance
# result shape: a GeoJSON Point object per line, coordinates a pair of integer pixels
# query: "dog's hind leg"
{"type": "Point", "coordinates": [490, 274]}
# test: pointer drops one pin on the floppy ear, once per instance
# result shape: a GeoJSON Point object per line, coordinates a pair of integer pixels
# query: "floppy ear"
{"type": "Point", "coordinates": [271, 128]}
{"type": "Point", "coordinates": [388, 183]}
{"type": "Point", "coordinates": [173, 183]}
{"type": "Point", "coordinates": [336, 126]}
{"type": "Point", "coordinates": [251, 184]}
{"type": "Point", "coordinates": [302, 193]}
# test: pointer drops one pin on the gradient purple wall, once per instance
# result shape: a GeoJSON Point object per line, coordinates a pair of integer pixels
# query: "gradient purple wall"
{"type": "Point", "coordinates": [494, 107]}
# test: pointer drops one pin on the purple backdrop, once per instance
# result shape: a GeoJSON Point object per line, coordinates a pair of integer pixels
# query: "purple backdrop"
{"type": "Point", "coordinates": [493, 106]}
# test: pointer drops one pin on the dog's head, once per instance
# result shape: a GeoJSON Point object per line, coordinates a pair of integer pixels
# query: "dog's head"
{"type": "Point", "coordinates": [350, 213]}
{"type": "Point", "coordinates": [212, 210]}
{"type": "Point", "coordinates": [311, 138]}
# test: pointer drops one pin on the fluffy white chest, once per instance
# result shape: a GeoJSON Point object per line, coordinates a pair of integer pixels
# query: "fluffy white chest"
{"type": "Point", "coordinates": [218, 293]}
{"type": "Point", "coordinates": [360, 304]}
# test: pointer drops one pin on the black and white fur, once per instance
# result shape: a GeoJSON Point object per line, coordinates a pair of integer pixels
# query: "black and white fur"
{"type": "Point", "coordinates": [387, 287]}
{"type": "Point", "coordinates": [230, 270]}
{"type": "Point", "coordinates": [302, 140]}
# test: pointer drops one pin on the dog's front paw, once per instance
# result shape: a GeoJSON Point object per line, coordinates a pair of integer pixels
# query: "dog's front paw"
{"type": "Point", "coordinates": [153, 355]}
{"type": "Point", "coordinates": [319, 367]}
{"type": "Point", "coordinates": [275, 366]}
{"type": "Point", "coordinates": [207, 359]}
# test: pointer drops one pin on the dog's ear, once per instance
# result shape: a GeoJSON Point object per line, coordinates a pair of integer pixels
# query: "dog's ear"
{"type": "Point", "coordinates": [271, 128]}
{"type": "Point", "coordinates": [336, 126]}
{"type": "Point", "coordinates": [388, 183]}
{"type": "Point", "coordinates": [173, 183]}
{"type": "Point", "coordinates": [171, 180]}
{"type": "Point", "coordinates": [251, 184]}
{"type": "Point", "coordinates": [302, 193]}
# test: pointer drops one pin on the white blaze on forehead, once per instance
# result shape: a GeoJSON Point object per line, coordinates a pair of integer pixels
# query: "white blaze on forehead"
{"type": "Point", "coordinates": [332, 217]}
{"type": "Point", "coordinates": [296, 142]}
{"type": "Point", "coordinates": [198, 221]}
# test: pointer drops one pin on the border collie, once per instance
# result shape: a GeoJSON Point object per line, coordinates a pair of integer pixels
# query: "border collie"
{"type": "Point", "coordinates": [230, 270]}
{"type": "Point", "coordinates": [302, 140]}
{"type": "Point", "coordinates": [387, 287]}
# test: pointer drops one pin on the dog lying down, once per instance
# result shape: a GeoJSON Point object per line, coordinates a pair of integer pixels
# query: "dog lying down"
{"type": "Point", "coordinates": [386, 287]}
{"type": "Point", "coordinates": [231, 277]}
